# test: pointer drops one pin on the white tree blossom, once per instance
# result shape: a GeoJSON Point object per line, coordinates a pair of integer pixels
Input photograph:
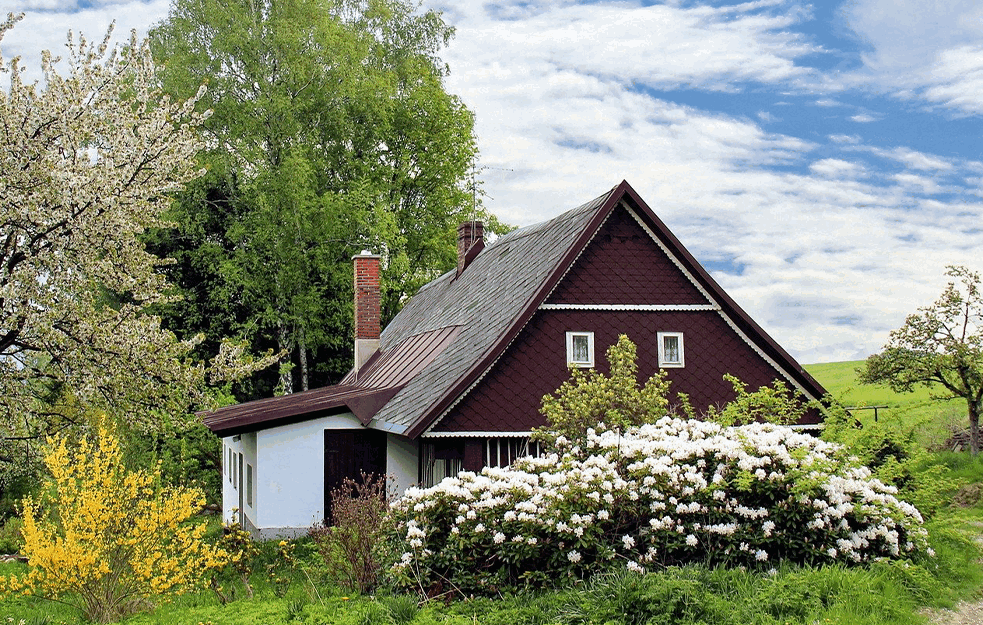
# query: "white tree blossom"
{"type": "Point", "coordinates": [88, 161]}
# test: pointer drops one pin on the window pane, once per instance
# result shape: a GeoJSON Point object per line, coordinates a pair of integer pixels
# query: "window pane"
{"type": "Point", "coordinates": [671, 348]}
{"type": "Point", "coordinates": [581, 349]}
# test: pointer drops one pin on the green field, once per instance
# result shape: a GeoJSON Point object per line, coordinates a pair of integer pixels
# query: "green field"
{"type": "Point", "coordinates": [932, 418]}
{"type": "Point", "coordinates": [881, 593]}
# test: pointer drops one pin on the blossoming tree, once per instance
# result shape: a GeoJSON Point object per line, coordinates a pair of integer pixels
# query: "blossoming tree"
{"type": "Point", "coordinates": [88, 161]}
{"type": "Point", "coordinates": [941, 347]}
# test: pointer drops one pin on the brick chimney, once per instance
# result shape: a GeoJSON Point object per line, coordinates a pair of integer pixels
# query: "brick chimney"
{"type": "Point", "coordinates": [367, 306]}
{"type": "Point", "coordinates": [470, 241]}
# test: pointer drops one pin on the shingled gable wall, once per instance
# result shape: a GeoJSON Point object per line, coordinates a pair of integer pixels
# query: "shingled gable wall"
{"type": "Point", "coordinates": [622, 265]}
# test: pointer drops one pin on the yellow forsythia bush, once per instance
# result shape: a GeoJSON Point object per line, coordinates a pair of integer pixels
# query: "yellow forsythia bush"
{"type": "Point", "coordinates": [106, 539]}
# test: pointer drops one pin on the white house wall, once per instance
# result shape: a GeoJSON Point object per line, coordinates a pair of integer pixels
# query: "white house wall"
{"type": "Point", "coordinates": [233, 481]}
{"type": "Point", "coordinates": [291, 481]}
{"type": "Point", "coordinates": [402, 460]}
{"type": "Point", "coordinates": [288, 478]}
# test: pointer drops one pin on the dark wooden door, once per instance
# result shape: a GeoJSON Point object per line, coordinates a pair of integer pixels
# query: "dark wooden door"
{"type": "Point", "coordinates": [348, 454]}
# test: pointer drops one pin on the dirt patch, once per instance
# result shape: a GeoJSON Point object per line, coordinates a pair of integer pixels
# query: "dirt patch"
{"type": "Point", "coordinates": [964, 613]}
{"type": "Point", "coordinates": [968, 495]}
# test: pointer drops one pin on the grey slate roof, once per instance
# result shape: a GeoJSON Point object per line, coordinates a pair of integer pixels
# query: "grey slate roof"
{"type": "Point", "coordinates": [484, 301]}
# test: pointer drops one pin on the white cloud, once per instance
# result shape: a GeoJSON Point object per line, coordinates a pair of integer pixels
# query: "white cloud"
{"type": "Point", "coordinates": [569, 100]}
{"type": "Point", "coordinates": [925, 49]}
{"type": "Point", "coordinates": [863, 118]}
{"type": "Point", "coordinates": [836, 168]}
{"type": "Point", "coordinates": [48, 30]}
{"type": "Point", "coordinates": [913, 159]}
{"type": "Point", "coordinates": [957, 75]}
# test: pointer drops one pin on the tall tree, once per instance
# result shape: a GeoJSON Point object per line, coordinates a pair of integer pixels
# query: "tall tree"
{"type": "Point", "coordinates": [940, 346]}
{"type": "Point", "coordinates": [331, 132]}
{"type": "Point", "coordinates": [89, 159]}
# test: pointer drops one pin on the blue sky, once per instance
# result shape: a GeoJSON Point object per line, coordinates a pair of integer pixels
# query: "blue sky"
{"type": "Point", "coordinates": [824, 161]}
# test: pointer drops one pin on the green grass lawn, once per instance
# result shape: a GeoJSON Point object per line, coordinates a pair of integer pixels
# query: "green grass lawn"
{"type": "Point", "coordinates": [931, 418]}
{"type": "Point", "coordinates": [882, 593]}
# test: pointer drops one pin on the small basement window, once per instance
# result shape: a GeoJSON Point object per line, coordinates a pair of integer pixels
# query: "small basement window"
{"type": "Point", "coordinates": [580, 349]}
{"type": "Point", "coordinates": [671, 350]}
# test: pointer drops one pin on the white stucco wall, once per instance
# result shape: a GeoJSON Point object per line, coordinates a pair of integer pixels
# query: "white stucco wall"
{"type": "Point", "coordinates": [288, 473]}
{"type": "Point", "coordinates": [402, 461]}
{"type": "Point", "coordinates": [233, 481]}
{"type": "Point", "coordinates": [291, 479]}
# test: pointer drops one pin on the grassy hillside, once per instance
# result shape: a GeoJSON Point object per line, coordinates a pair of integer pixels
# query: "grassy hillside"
{"type": "Point", "coordinates": [915, 409]}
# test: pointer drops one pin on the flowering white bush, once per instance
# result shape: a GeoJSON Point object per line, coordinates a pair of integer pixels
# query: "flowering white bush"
{"type": "Point", "coordinates": [672, 492]}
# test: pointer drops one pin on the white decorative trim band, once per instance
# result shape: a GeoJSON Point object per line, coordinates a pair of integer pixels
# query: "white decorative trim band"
{"type": "Point", "coordinates": [641, 307]}
{"type": "Point", "coordinates": [476, 435]}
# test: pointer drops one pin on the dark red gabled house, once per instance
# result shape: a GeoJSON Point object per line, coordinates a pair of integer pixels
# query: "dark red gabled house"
{"type": "Point", "coordinates": [456, 379]}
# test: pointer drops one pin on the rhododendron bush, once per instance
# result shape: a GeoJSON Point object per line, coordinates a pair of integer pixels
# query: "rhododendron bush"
{"type": "Point", "coordinates": [673, 492]}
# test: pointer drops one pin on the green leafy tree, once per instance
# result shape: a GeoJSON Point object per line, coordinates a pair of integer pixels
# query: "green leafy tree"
{"type": "Point", "coordinates": [940, 347]}
{"type": "Point", "coordinates": [331, 132]}
{"type": "Point", "coordinates": [89, 159]}
{"type": "Point", "coordinates": [591, 399]}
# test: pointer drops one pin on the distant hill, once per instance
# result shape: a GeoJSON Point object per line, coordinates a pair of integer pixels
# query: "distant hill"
{"type": "Point", "coordinates": [840, 379]}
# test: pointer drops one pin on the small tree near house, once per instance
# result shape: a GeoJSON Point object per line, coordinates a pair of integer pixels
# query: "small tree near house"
{"type": "Point", "coordinates": [941, 345]}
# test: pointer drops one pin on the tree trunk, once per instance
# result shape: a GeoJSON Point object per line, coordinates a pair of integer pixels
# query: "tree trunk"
{"type": "Point", "coordinates": [974, 426]}
{"type": "Point", "coordinates": [302, 347]}
{"type": "Point", "coordinates": [286, 370]}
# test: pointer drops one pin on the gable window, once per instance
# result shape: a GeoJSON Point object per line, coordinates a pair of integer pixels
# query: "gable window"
{"type": "Point", "coordinates": [580, 349]}
{"type": "Point", "coordinates": [671, 349]}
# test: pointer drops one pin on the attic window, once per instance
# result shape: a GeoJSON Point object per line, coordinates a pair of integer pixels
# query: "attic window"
{"type": "Point", "coordinates": [671, 350]}
{"type": "Point", "coordinates": [580, 349]}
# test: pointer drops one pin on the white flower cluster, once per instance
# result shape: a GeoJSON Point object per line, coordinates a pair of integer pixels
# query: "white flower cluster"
{"type": "Point", "coordinates": [671, 492]}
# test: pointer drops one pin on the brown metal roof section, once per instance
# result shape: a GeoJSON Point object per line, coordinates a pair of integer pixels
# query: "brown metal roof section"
{"type": "Point", "coordinates": [607, 203]}
{"type": "Point", "coordinates": [379, 380]}
{"type": "Point", "coordinates": [397, 366]}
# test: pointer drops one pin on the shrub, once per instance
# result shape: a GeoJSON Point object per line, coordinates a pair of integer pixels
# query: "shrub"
{"type": "Point", "coordinates": [349, 547]}
{"type": "Point", "coordinates": [240, 559]}
{"type": "Point", "coordinates": [592, 399]}
{"type": "Point", "coordinates": [106, 540]}
{"type": "Point", "coordinates": [670, 493]}
{"type": "Point", "coordinates": [11, 540]}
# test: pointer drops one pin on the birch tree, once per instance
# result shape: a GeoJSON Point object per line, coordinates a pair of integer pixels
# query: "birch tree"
{"type": "Point", "coordinates": [89, 159]}
{"type": "Point", "coordinates": [333, 132]}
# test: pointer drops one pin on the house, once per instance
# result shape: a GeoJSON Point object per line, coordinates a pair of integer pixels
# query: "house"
{"type": "Point", "coordinates": [456, 379]}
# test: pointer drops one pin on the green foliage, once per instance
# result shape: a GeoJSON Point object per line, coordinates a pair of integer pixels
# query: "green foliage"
{"type": "Point", "coordinates": [241, 551]}
{"type": "Point", "coordinates": [895, 457]}
{"type": "Point", "coordinates": [591, 399]}
{"type": "Point", "coordinates": [777, 404]}
{"type": "Point", "coordinates": [941, 345]}
{"type": "Point", "coordinates": [189, 457]}
{"type": "Point", "coordinates": [332, 132]}
{"type": "Point", "coordinates": [11, 540]}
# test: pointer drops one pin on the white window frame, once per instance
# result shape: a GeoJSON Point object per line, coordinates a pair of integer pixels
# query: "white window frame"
{"type": "Point", "coordinates": [663, 362]}
{"type": "Point", "coordinates": [586, 364]}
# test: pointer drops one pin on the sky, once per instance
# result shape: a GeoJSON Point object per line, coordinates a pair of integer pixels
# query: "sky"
{"type": "Point", "coordinates": [823, 161]}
